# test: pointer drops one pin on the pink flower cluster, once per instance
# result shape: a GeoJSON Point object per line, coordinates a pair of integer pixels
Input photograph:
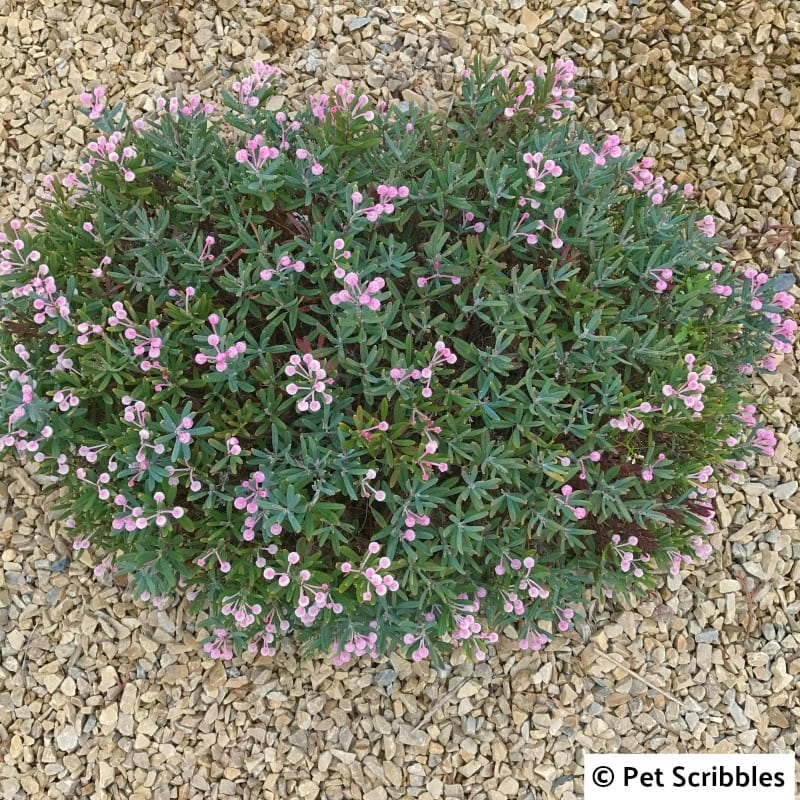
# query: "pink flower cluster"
{"type": "Point", "coordinates": [627, 558]}
{"type": "Point", "coordinates": [262, 76]}
{"type": "Point", "coordinates": [357, 645]}
{"type": "Point", "coordinates": [358, 292]}
{"type": "Point", "coordinates": [106, 150]}
{"type": "Point", "coordinates": [533, 641]}
{"type": "Point", "coordinates": [90, 454]}
{"type": "Point", "coordinates": [564, 616]}
{"type": "Point", "coordinates": [232, 446]}
{"type": "Point", "coordinates": [314, 380]}
{"type": "Point", "coordinates": [268, 636]}
{"type": "Point", "coordinates": [284, 578]}
{"type": "Point", "coordinates": [205, 253]}
{"type": "Point", "coordinates": [183, 295]}
{"type": "Point", "coordinates": [699, 479]}
{"type": "Point", "coordinates": [65, 399]}
{"type": "Point", "coordinates": [380, 583]}
{"type": "Point", "coordinates": [677, 560]}
{"type": "Point", "coordinates": [308, 611]}
{"type": "Point", "coordinates": [103, 478]}
{"type": "Point", "coordinates": [469, 224]}
{"type": "Point", "coordinates": [47, 302]}
{"type": "Point", "coordinates": [411, 520]}
{"type": "Point", "coordinates": [219, 646]}
{"type": "Point", "coordinates": [701, 549]}
{"type": "Point", "coordinates": [255, 154]}
{"type": "Point", "coordinates": [421, 652]}
{"type": "Point", "coordinates": [18, 413]}
{"type": "Point", "coordinates": [104, 566]}
{"type": "Point", "coordinates": [662, 277]}
{"type": "Point", "coordinates": [578, 511]}
{"type": "Point", "coordinates": [255, 490]}
{"type": "Point", "coordinates": [648, 472]}
{"type": "Point", "coordinates": [136, 519]}
{"type": "Point", "coordinates": [385, 204]}
{"type": "Point", "coordinates": [656, 187]}
{"type": "Point", "coordinates": [152, 343]}
{"type": "Point", "coordinates": [784, 330]}
{"type": "Point", "coordinates": [532, 238]}
{"type": "Point", "coordinates": [707, 226]}
{"type": "Point", "coordinates": [558, 216]}
{"type": "Point", "coordinates": [339, 251]}
{"type": "Point", "coordinates": [691, 391]}
{"type": "Point", "coordinates": [765, 441]}
{"type": "Point", "coordinates": [285, 264]}
{"type": "Point", "coordinates": [301, 154]}
{"type": "Point", "coordinates": [513, 563]}
{"type": "Point", "coordinates": [8, 261]}
{"type": "Point", "coordinates": [425, 279]}
{"type": "Point", "coordinates": [442, 354]}
{"type": "Point", "coordinates": [628, 422]}
{"type": "Point", "coordinates": [594, 457]}
{"type": "Point", "coordinates": [512, 602]}
{"type": "Point", "coordinates": [347, 102]}
{"type": "Point", "coordinates": [174, 107]}
{"type": "Point", "coordinates": [366, 433]}
{"type": "Point", "coordinates": [368, 490]}
{"type": "Point", "coordinates": [320, 106]}
{"type": "Point", "coordinates": [747, 415]}
{"type": "Point", "coordinates": [72, 181]}
{"type": "Point", "coordinates": [94, 100]}
{"type": "Point", "coordinates": [537, 172]}
{"type": "Point", "coordinates": [244, 613]}
{"type": "Point", "coordinates": [610, 147]}
{"type": "Point", "coordinates": [219, 357]}
{"type": "Point", "coordinates": [562, 94]}
{"type": "Point", "coordinates": [467, 626]}
{"type": "Point", "coordinates": [85, 329]}
{"type": "Point", "coordinates": [430, 428]}
{"type": "Point", "coordinates": [174, 473]}
{"type": "Point", "coordinates": [293, 126]}
{"type": "Point", "coordinates": [757, 280]}
{"type": "Point", "coordinates": [136, 415]}
{"type": "Point", "coordinates": [355, 291]}
{"type": "Point", "coordinates": [183, 430]}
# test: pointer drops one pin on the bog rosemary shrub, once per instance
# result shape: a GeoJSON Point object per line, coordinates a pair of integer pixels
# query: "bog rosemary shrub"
{"type": "Point", "coordinates": [380, 377]}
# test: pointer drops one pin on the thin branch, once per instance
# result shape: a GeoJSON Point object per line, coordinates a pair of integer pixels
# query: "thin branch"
{"type": "Point", "coordinates": [644, 680]}
{"type": "Point", "coordinates": [438, 704]}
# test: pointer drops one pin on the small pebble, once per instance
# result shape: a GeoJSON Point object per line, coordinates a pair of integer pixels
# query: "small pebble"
{"type": "Point", "coordinates": [358, 23]}
{"type": "Point", "coordinates": [707, 636]}
{"type": "Point", "coordinates": [785, 490]}
{"type": "Point", "coordinates": [67, 739]}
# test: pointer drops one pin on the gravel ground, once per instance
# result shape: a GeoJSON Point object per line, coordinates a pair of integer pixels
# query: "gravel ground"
{"type": "Point", "coordinates": [101, 697]}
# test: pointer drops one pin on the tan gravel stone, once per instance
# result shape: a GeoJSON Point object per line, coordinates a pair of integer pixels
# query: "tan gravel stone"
{"type": "Point", "coordinates": [109, 715]}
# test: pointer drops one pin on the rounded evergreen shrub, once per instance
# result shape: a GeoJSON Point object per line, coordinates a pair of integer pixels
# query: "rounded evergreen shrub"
{"type": "Point", "coordinates": [380, 377]}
